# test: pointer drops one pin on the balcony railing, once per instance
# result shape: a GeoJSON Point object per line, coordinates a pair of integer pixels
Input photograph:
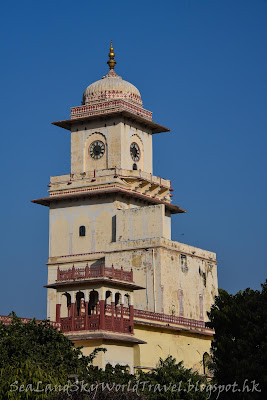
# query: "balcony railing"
{"type": "Point", "coordinates": [74, 273]}
{"type": "Point", "coordinates": [109, 318]}
{"type": "Point", "coordinates": [111, 323]}
{"type": "Point", "coordinates": [7, 320]}
{"type": "Point", "coordinates": [169, 319]}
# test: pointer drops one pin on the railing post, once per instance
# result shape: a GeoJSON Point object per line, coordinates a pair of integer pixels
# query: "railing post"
{"type": "Point", "coordinates": [112, 315]}
{"type": "Point", "coordinates": [102, 270]}
{"type": "Point", "coordinates": [112, 271]}
{"type": "Point", "coordinates": [122, 327]}
{"type": "Point", "coordinates": [102, 314]}
{"type": "Point", "coordinates": [121, 274]}
{"type": "Point", "coordinates": [131, 276]}
{"type": "Point", "coordinates": [87, 271]}
{"type": "Point", "coordinates": [72, 314]}
{"type": "Point", "coordinates": [58, 306]}
{"type": "Point", "coordinates": [86, 326]}
{"type": "Point", "coordinates": [58, 273]}
{"type": "Point", "coordinates": [73, 272]}
{"type": "Point", "coordinates": [131, 319]}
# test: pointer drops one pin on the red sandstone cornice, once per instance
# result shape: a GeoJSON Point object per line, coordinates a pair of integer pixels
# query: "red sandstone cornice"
{"type": "Point", "coordinates": [156, 128]}
{"type": "Point", "coordinates": [93, 282]}
{"type": "Point", "coordinates": [114, 337]}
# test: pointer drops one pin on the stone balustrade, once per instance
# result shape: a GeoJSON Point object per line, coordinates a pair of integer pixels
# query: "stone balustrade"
{"type": "Point", "coordinates": [101, 271]}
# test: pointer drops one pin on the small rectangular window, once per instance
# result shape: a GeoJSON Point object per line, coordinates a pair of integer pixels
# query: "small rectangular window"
{"type": "Point", "coordinates": [184, 266]}
{"type": "Point", "coordinates": [82, 230]}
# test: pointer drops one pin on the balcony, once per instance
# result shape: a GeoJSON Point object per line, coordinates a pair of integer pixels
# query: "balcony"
{"type": "Point", "coordinates": [84, 273]}
{"type": "Point", "coordinates": [105, 317]}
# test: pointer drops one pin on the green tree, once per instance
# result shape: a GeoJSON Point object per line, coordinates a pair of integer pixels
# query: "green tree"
{"type": "Point", "coordinates": [36, 352]}
{"type": "Point", "coordinates": [180, 382]}
{"type": "Point", "coordinates": [169, 381]}
{"type": "Point", "coordinates": [239, 348]}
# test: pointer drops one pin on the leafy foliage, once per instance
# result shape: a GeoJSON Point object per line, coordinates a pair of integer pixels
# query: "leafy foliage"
{"type": "Point", "coordinates": [171, 380]}
{"type": "Point", "coordinates": [168, 381]}
{"type": "Point", "coordinates": [33, 352]}
{"type": "Point", "coordinates": [239, 348]}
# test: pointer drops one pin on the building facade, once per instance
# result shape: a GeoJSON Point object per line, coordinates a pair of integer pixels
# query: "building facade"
{"type": "Point", "coordinates": [115, 277]}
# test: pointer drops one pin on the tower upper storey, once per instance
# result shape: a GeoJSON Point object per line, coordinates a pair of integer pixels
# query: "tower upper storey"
{"type": "Point", "coordinates": [111, 128]}
{"type": "Point", "coordinates": [111, 147]}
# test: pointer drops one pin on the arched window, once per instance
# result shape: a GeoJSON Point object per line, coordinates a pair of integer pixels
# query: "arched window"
{"type": "Point", "coordinates": [126, 300]}
{"type": "Point", "coordinates": [108, 298]}
{"type": "Point", "coordinates": [117, 299]}
{"type": "Point", "coordinates": [93, 301]}
{"type": "Point", "coordinates": [80, 303]}
{"type": "Point", "coordinates": [82, 230]}
{"type": "Point", "coordinates": [206, 362]}
{"type": "Point", "coordinates": [135, 167]}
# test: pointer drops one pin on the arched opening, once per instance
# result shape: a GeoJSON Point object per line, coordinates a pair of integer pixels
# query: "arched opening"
{"type": "Point", "coordinates": [127, 300]}
{"type": "Point", "coordinates": [117, 299]}
{"type": "Point", "coordinates": [127, 368]}
{"type": "Point", "coordinates": [80, 307]}
{"type": "Point", "coordinates": [134, 167]}
{"type": "Point", "coordinates": [206, 361]}
{"type": "Point", "coordinates": [68, 303]}
{"type": "Point", "coordinates": [108, 298]}
{"type": "Point", "coordinates": [93, 300]}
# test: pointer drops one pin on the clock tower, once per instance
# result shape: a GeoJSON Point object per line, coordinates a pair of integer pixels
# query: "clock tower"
{"type": "Point", "coordinates": [115, 277]}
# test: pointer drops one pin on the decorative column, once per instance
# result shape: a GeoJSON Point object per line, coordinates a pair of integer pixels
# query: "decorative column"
{"type": "Point", "coordinates": [72, 311]}
{"type": "Point", "coordinates": [58, 307]}
{"type": "Point", "coordinates": [86, 302]}
{"type": "Point", "coordinates": [112, 311]}
{"type": "Point", "coordinates": [131, 319]}
{"type": "Point", "coordinates": [121, 325]}
{"type": "Point", "coordinates": [102, 314]}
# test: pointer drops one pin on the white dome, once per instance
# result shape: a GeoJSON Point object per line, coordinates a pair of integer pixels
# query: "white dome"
{"type": "Point", "coordinates": [111, 86]}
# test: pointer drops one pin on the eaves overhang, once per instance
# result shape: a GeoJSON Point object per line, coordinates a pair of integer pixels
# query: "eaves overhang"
{"type": "Point", "coordinates": [46, 201]}
{"type": "Point", "coordinates": [93, 282]}
{"type": "Point", "coordinates": [105, 336]}
{"type": "Point", "coordinates": [156, 128]}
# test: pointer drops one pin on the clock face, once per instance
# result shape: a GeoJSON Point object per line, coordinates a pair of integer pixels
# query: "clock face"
{"type": "Point", "coordinates": [135, 151]}
{"type": "Point", "coordinates": [97, 149]}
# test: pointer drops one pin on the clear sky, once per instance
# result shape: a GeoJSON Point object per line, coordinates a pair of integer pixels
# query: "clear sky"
{"type": "Point", "coordinates": [201, 67]}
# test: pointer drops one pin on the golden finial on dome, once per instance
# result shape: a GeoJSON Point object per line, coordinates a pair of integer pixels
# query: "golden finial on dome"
{"type": "Point", "coordinates": [111, 62]}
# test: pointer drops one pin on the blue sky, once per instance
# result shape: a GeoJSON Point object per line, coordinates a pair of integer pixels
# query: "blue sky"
{"type": "Point", "coordinates": [200, 66]}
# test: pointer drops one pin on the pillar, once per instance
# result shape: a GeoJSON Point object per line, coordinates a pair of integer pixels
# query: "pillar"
{"type": "Point", "coordinates": [58, 307]}
{"type": "Point", "coordinates": [86, 327]}
{"type": "Point", "coordinates": [112, 314]}
{"type": "Point", "coordinates": [72, 311]}
{"type": "Point", "coordinates": [102, 314]}
{"type": "Point", "coordinates": [122, 327]}
{"type": "Point", "coordinates": [86, 302]}
{"type": "Point", "coordinates": [132, 318]}
{"type": "Point", "coordinates": [72, 315]}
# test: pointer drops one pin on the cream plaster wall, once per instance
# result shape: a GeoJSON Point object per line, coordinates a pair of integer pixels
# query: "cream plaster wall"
{"type": "Point", "coordinates": [142, 223]}
{"type": "Point", "coordinates": [65, 222]}
{"type": "Point", "coordinates": [185, 347]}
{"type": "Point", "coordinates": [117, 134]}
{"type": "Point", "coordinates": [117, 353]}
